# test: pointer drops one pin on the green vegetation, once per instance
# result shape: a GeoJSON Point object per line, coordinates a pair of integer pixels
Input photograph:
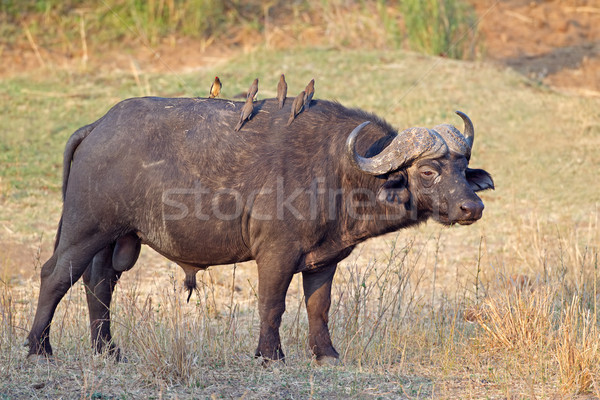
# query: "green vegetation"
{"type": "Point", "coordinates": [440, 27]}
{"type": "Point", "coordinates": [434, 26]}
{"type": "Point", "coordinates": [69, 28]}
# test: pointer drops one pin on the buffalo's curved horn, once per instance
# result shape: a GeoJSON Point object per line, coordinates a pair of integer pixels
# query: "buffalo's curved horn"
{"type": "Point", "coordinates": [406, 147]}
{"type": "Point", "coordinates": [469, 132]}
{"type": "Point", "coordinates": [362, 163]}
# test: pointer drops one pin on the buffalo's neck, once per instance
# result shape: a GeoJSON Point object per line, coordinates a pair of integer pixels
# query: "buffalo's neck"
{"type": "Point", "coordinates": [380, 222]}
{"type": "Point", "coordinates": [364, 216]}
{"type": "Point", "coordinates": [337, 242]}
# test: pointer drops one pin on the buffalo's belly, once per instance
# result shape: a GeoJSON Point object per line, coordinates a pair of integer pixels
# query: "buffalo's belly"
{"type": "Point", "coordinates": [200, 243]}
{"type": "Point", "coordinates": [204, 259]}
{"type": "Point", "coordinates": [324, 256]}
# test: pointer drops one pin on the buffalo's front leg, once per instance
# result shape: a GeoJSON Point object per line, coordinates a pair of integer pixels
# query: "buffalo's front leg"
{"type": "Point", "coordinates": [273, 281]}
{"type": "Point", "coordinates": [317, 295]}
{"type": "Point", "coordinates": [100, 280]}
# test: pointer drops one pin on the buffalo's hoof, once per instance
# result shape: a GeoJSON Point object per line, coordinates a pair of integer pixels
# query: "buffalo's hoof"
{"type": "Point", "coordinates": [327, 361]}
{"type": "Point", "coordinates": [277, 358]}
{"type": "Point", "coordinates": [272, 363]}
{"type": "Point", "coordinates": [119, 357]}
{"type": "Point", "coordinates": [115, 355]}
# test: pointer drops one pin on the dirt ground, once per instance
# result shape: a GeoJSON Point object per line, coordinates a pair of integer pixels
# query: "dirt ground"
{"type": "Point", "coordinates": [553, 42]}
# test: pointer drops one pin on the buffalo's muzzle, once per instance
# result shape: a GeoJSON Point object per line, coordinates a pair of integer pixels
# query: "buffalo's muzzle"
{"type": "Point", "coordinates": [470, 211]}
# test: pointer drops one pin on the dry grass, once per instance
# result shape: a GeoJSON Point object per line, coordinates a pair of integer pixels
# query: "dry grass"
{"type": "Point", "coordinates": [539, 324]}
{"type": "Point", "coordinates": [515, 319]}
{"type": "Point", "coordinates": [577, 349]}
{"type": "Point", "coordinates": [552, 316]}
{"type": "Point", "coordinates": [397, 335]}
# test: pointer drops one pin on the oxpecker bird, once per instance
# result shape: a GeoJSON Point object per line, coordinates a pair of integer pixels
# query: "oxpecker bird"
{"type": "Point", "coordinates": [297, 106]}
{"type": "Point", "coordinates": [215, 88]}
{"type": "Point", "coordinates": [281, 91]}
{"type": "Point", "coordinates": [246, 113]}
{"type": "Point", "coordinates": [310, 91]}
{"type": "Point", "coordinates": [252, 90]}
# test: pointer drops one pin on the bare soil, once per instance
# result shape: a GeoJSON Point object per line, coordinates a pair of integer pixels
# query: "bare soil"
{"type": "Point", "coordinates": [553, 42]}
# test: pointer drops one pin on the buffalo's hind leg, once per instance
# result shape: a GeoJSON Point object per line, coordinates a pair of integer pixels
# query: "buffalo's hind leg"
{"type": "Point", "coordinates": [100, 279]}
{"type": "Point", "coordinates": [58, 274]}
{"type": "Point", "coordinates": [39, 342]}
{"type": "Point", "coordinates": [317, 295]}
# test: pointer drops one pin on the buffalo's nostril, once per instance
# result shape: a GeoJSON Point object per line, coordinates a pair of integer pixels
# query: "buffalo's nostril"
{"type": "Point", "coordinates": [472, 209]}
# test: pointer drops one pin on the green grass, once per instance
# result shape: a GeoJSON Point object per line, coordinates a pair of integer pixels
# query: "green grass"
{"type": "Point", "coordinates": [398, 325]}
{"type": "Point", "coordinates": [64, 28]}
{"type": "Point", "coordinates": [441, 27]}
{"type": "Point", "coordinates": [111, 20]}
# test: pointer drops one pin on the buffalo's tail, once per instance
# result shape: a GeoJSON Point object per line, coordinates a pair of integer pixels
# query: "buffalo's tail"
{"type": "Point", "coordinates": [190, 283]}
{"type": "Point", "coordinates": [190, 279]}
{"type": "Point", "coordinates": [58, 232]}
{"type": "Point", "coordinates": [72, 144]}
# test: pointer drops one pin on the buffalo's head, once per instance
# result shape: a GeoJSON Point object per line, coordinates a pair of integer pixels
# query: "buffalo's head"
{"type": "Point", "coordinates": [426, 171]}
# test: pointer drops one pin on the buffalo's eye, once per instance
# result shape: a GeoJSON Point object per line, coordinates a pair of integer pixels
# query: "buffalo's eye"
{"type": "Point", "coordinates": [428, 173]}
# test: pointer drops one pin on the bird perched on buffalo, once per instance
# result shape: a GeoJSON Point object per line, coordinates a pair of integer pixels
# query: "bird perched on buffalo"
{"type": "Point", "coordinates": [281, 91]}
{"type": "Point", "coordinates": [252, 90]}
{"type": "Point", "coordinates": [297, 105]}
{"type": "Point", "coordinates": [310, 91]}
{"type": "Point", "coordinates": [215, 88]}
{"type": "Point", "coordinates": [246, 113]}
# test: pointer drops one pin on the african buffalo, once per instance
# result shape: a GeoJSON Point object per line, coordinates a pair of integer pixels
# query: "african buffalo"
{"type": "Point", "coordinates": [173, 174]}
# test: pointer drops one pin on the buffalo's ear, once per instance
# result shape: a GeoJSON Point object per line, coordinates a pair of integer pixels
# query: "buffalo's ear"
{"type": "Point", "coordinates": [394, 190]}
{"type": "Point", "coordinates": [479, 179]}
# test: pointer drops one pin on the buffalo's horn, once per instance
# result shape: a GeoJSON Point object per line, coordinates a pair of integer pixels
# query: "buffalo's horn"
{"type": "Point", "coordinates": [362, 163]}
{"type": "Point", "coordinates": [469, 132]}
{"type": "Point", "coordinates": [406, 147]}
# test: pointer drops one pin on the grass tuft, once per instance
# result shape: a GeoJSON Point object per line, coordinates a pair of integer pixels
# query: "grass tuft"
{"type": "Point", "coordinates": [517, 319]}
{"type": "Point", "coordinates": [577, 350]}
{"type": "Point", "coordinates": [440, 27]}
{"type": "Point", "coordinates": [546, 321]}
